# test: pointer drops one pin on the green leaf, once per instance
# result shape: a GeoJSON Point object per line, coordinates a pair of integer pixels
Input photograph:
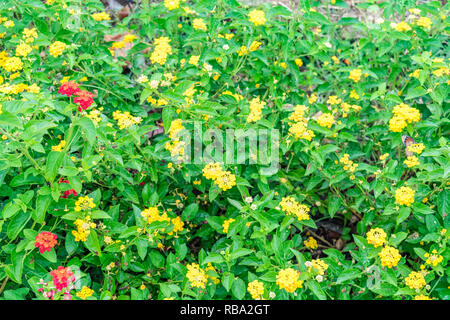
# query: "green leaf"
{"type": "Point", "coordinates": [316, 290]}
{"type": "Point", "coordinates": [227, 280]}
{"type": "Point", "coordinates": [348, 274]}
{"type": "Point", "coordinates": [397, 238]}
{"type": "Point", "coordinates": [238, 288]}
{"type": "Point", "coordinates": [42, 204]}
{"type": "Point", "coordinates": [50, 255]}
{"type": "Point", "coordinates": [240, 253]}
{"type": "Point", "coordinates": [88, 128]}
{"type": "Point", "coordinates": [190, 211]}
{"type": "Point", "coordinates": [93, 244]}
{"type": "Point", "coordinates": [421, 208]}
{"type": "Point", "coordinates": [70, 243]}
{"type": "Point", "coordinates": [334, 203]}
{"type": "Point", "coordinates": [17, 294]}
{"type": "Point", "coordinates": [443, 202]}
{"type": "Point", "coordinates": [142, 245]}
{"type": "Point", "coordinates": [403, 214]}
{"type": "Point", "coordinates": [75, 183]}
{"type": "Point", "coordinates": [16, 224]}
{"type": "Point", "coordinates": [9, 119]}
{"type": "Point", "coordinates": [99, 214]}
{"type": "Point", "coordinates": [10, 210]}
{"type": "Point", "coordinates": [416, 92]}
{"type": "Point", "coordinates": [54, 160]}
{"type": "Point", "coordinates": [156, 258]}
{"type": "Point", "coordinates": [213, 258]}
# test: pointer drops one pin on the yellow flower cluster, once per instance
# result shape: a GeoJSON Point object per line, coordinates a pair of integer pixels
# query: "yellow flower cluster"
{"type": "Point", "coordinates": [172, 4]}
{"type": "Point", "coordinates": [226, 224]}
{"type": "Point", "coordinates": [411, 161]}
{"type": "Point", "coordinates": [355, 75]}
{"type": "Point", "coordinates": [237, 96]}
{"type": "Point", "coordinates": [212, 171]}
{"type": "Point", "coordinates": [85, 293]}
{"type": "Point", "coordinates": [300, 131]}
{"type": "Point", "coordinates": [346, 107]}
{"type": "Point", "coordinates": [11, 64]}
{"type": "Point", "coordinates": [319, 265]}
{"type": "Point", "coordinates": [422, 297]}
{"type": "Point", "coordinates": [326, 120]}
{"type": "Point", "coordinates": [332, 100]}
{"type": "Point", "coordinates": [299, 128]}
{"type": "Point", "coordinates": [210, 267]}
{"type": "Point", "coordinates": [424, 22]}
{"type": "Point", "coordinates": [311, 243]}
{"type": "Point", "coordinates": [175, 146]}
{"type": "Point", "coordinates": [100, 16]}
{"type": "Point", "coordinates": [389, 256]}
{"type": "Point", "coordinates": [349, 165]}
{"type": "Point", "coordinates": [19, 88]}
{"type": "Point", "coordinates": [189, 94]}
{"type": "Point", "coordinates": [441, 71]}
{"type": "Point", "coordinates": [281, 64]}
{"type": "Point", "coordinates": [125, 119]}
{"type": "Point", "coordinates": [8, 23]}
{"type": "Point", "coordinates": [243, 50]}
{"type": "Point", "coordinates": [256, 106]}
{"type": "Point", "coordinates": [415, 280]}
{"type": "Point", "coordinates": [376, 237]}
{"type": "Point", "coordinates": [433, 259]}
{"type": "Point", "coordinates": [23, 49]}
{"type": "Point", "coordinates": [60, 146]}
{"type": "Point", "coordinates": [298, 62]}
{"type": "Point", "coordinates": [416, 148]}
{"type": "Point", "coordinates": [354, 95]}
{"type": "Point", "coordinates": [288, 279]}
{"type": "Point", "coordinates": [291, 207]}
{"type": "Point", "coordinates": [403, 114]}
{"type": "Point", "coordinates": [194, 60]}
{"type": "Point", "coordinates": [199, 24]}
{"type": "Point", "coordinates": [94, 115]}
{"type": "Point", "coordinates": [401, 26]}
{"type": "Point", "coordinates": [224, 179]}
{"type": "Point", "coordinates": [256, 289]}
{"type": "Point", "coordinates": [161, 51]}
{"type": "Point", "coordinates": [84, 203]}
{"type": "Point", "coordinates": [129, 38]}
{"type": "Point", "coordinates": [415, 73]}
{"type": "Point", "coordinates": [257, 17]}
{"type": "Point", "coordinates": [404, 196]}
{"type": "Point", "coordinates": [57, 48]}
{"type": "Point", "coordinates": [255, 45]}
{"type": "Point", "coordinates": [152, 214]}
{"type": "Point", "coordinates": [29, 34]}
{"type": "Point", "coordinates": [196, 276]}
{"type": "Point", "coordinates": [312, 98]}
{"type": "Point", "coordinates": [84, 227]}
{"type": "Point", "coordinates": [178, 225]}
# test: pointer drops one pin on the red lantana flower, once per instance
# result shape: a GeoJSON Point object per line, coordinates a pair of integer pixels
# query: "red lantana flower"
{"type": "Point", "coordinates": [68, 192]}
{"type": "Point", "coordinates": [69, 88]}
{"type": "Point", "coordinates": [45, 241]}
{"type": "Point", "coordinates": [62, 277]}
{"type": "Point", "coordinates": [83, 99]}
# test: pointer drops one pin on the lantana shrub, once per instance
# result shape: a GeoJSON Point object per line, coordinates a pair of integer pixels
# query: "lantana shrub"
{"type": "Point", "coordinates": [99, 201]}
